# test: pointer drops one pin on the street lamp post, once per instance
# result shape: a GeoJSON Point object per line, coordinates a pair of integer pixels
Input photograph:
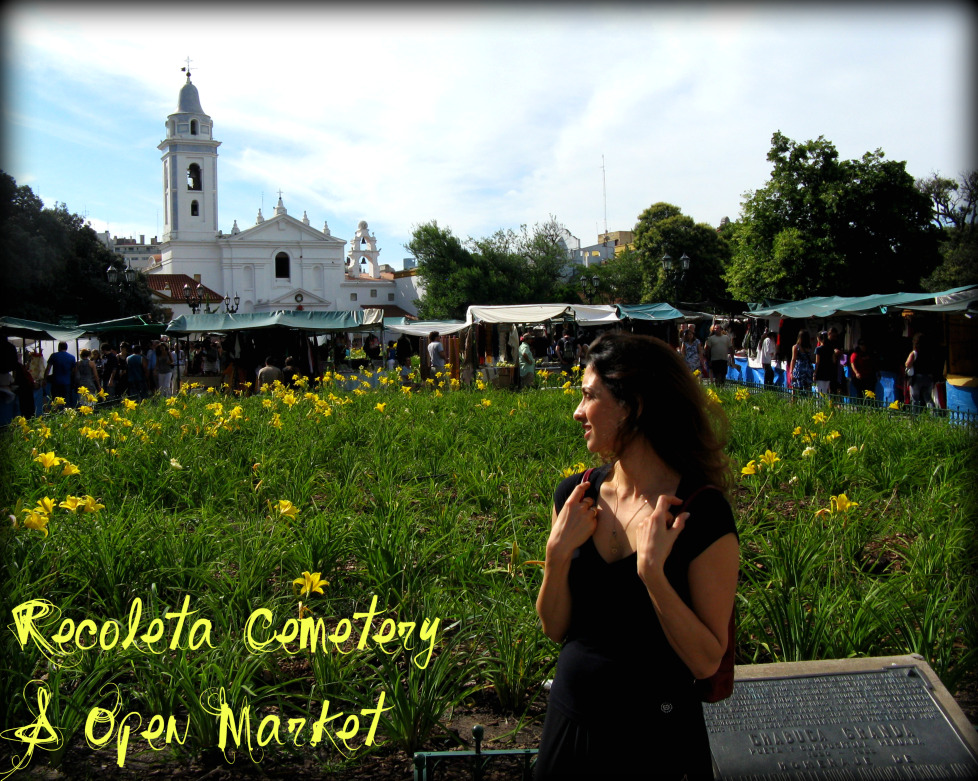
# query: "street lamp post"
{"type": "Point", "coordinates": [677, 275]}
{"type": "Point", "coordinates": [589, 284]}
{"type": "Point", "coordinates": [195, 298]}
{"type": "Point", "coordinates": [192, 296]}
{"type": "Point", "coordinates": [228, 307]}
{"type": "Point", "coordinates": [122, 280]}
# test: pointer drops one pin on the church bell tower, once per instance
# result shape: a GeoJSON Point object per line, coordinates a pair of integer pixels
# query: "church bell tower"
{"type": "Point", "coordinates": [189, 171]}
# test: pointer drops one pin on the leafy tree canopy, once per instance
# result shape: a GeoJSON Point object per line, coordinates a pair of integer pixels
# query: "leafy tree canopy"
{"type": "Point", "coordinates": [955, 206]}
{"type": "Point", "coordinates": [663, 229]}
{"type": "Point", "coordinates": [618, 280]}
{"type": "Point", "coordinates": [52, 264]}
{"type": "Point", "coordinates": [825, 226]}
{"type": "Point", "coordinates": [508, 267]}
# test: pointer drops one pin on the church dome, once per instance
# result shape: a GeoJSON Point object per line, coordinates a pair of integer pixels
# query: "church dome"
{"type": "Point", "coordinates": [189, 102]}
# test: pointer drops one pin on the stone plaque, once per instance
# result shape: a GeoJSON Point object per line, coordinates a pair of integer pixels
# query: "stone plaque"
{"type": "Point", "coordinates": [874, 725]}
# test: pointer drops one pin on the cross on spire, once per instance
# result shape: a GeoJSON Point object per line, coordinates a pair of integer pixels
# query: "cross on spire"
{"type": "Point", "coordinates": [186, 68]}
{"type": "Point", "coordinates": [280, 195]}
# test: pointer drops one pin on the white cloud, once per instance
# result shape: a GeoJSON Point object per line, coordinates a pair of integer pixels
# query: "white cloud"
{"type": "Point", "coordinates": [485, 117]}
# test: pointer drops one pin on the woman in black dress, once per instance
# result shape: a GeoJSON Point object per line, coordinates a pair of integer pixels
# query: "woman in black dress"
{"type": "Point", "coordinates": [640, 599]}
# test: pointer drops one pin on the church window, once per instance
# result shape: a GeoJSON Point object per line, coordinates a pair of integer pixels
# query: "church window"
{"type": "Point", "coordinates": [353, 296]}
{"type": "Point", "coordinates": [194, 209]}
{"type": "Point", "coordinates": [373, 293]}
{"type": "Point", "coordinates": [390, 296]}
{"type": "Point", "coordinates": [282, 266]}
{"type": "Point", "coordinates": [193, 127]}
{"type": "Point", "coordinates": [193, 177]}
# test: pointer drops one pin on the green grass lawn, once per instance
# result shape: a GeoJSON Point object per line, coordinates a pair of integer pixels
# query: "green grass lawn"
{"type": "Point", "coordinates": [188, 532]}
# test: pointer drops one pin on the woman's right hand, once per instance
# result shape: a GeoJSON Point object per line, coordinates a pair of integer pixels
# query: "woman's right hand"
{"type": "Point", "coordinates": [574, 524]}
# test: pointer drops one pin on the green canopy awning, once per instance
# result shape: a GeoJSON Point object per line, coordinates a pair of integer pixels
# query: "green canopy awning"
{"type": "Point", "coordinates": [826, 306]}
{"type": "Point", "coordinates": [132, 324]}
{"type": "Point", "coordinates": [319, 322]}
{"type": "Point", "coordinates": [32, 329]}
{"type": "Point", "coordinates": [649, 312]}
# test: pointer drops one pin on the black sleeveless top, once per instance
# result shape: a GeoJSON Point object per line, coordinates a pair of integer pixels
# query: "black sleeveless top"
{"type": "Point", "coordinates": [616, 659]}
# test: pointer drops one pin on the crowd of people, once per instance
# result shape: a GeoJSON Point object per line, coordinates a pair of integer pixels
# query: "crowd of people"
{"type": "Point", "coordinates": [817, 364]}
{"type": "Point", "coordinates": [811, 363]}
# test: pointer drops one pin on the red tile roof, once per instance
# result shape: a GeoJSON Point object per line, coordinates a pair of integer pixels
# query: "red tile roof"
{"type": "Point", "coordinates": [169, 287]}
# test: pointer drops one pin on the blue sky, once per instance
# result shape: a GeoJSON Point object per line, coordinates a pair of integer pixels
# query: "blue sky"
{"type": "Point", "coordinates": [482, 117]}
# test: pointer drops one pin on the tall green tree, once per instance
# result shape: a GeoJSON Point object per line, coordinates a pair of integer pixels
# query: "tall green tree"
{"type": "Point", "coordinates": [956, 208]}
{"type": "Point", "coordinates": [508, 267]}
{"type": "Point", "coordinates": [825, 226]}
{"type": "Point", "coordinates": [619, 279]}
{"type": "Point", "coordinates": [663, 229]}
{"type": "Point", "coordinates": [53, 265]}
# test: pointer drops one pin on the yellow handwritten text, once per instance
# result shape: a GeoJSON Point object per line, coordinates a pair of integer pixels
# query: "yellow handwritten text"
{"type": "Point", "coordinates": [86, 634]}
{"type": "Point", "coordinates": [312, 634]}
{"type": "Point", "coordinates": [239, 727]}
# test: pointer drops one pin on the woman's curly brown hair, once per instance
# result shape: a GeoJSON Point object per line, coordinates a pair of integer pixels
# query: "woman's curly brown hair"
{"type": "Point", "coordinates": [665, 404]}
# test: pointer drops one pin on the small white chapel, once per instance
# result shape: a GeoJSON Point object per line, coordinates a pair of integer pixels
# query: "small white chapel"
{"type": "Point", "coordinates": [278, 263]}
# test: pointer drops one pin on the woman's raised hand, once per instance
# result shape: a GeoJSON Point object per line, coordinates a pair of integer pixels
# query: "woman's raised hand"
{"type": "Point", "coordinates": [657, 532]}
{"type": "Point", "coordinates": [576, 522]}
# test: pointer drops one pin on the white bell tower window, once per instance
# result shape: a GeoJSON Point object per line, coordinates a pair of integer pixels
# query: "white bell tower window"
{"type": "Point", "coordinates": [282, 266]}
{"type": "Point", "coordinates": [194, 209]}
{"type": "Point", "coordinates": [194, 177]}
{"type": "Point", "coordinates": [193, 127]}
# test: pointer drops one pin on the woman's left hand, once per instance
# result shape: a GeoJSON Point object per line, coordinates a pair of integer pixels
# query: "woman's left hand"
{"type": "Point", "coordinates": [657, 532]}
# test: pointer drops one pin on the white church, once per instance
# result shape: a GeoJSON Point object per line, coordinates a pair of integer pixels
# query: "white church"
{"type": "Point", "coordinates": [278, 263]}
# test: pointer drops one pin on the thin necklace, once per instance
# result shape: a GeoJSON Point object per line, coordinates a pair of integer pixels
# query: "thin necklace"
{"type": "Point", "coordinates": [616, 545]}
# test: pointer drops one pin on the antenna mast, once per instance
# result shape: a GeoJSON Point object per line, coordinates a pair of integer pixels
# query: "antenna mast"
{"type": "Point", "coordinates": [604, 190]}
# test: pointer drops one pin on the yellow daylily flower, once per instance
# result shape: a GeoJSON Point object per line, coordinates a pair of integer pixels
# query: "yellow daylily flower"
{"type": "Point", "coordinates": [71, 503]}
{"type": "Point", "coordinates": [832, 435]}
{"type": "Point", "coordinates": [286, 508]}
{"type": "Point", "coordinates": [841, 503]}
{"type": "Point", "coordinates": [129, 404]}
{"type": "Point", "coordinates": [45, 506]}
{"type": "Point", "coordinates": [712, 396]}
{"type": "Point", "coordinates": [309, 583]}
{"type": "Point", "coordinates": [381, 406]}
{"type": "Point", "coordinates": [808, 452]}
{"type": "Point", "coordinates": [85, 410]}
{"type": "Point", "coordinates": [742, 394]}
{"type": "Point", "coordinates": [91, 506]}
{"type": "Point", "coordinates": [820, 417]}
{"type": "Point", "coordinates": [697, 372]}
{"type": "Point", "coordinates": [59, 401]}
{"type": "Point", "coordinates": [869, 394]}
{"type": "Point", "coordinates": [47, 460]}
{"type": "Point", "coordinates": [486, 402]}
{"type": "Point", "coordinates": [573, 470]}
{"type": "Point", "coordinates": [37, 521]}
{"type": "Point", "coordinates": [796, 432]}
{"type": "Point", "coordinates": [770, 458]}
{"type": "Point", "coordinates": [70, 469]}
{"type": "Point", "coordinates": [750, 469]}
{"type": "Point", "coordinates": [174, 412]}
{"type": "Point", "coordinates": [894, 405]}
